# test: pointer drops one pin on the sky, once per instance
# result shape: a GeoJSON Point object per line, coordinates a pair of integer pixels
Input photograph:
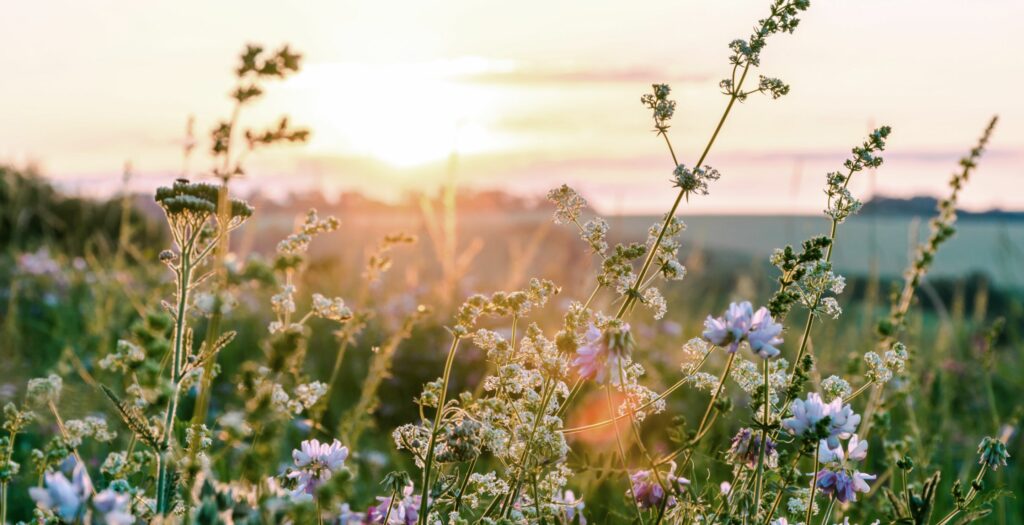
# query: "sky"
{"type": "Point", "coordinates": [527, 95]}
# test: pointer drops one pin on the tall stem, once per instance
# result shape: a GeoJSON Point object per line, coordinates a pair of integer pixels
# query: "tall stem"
{"type": "Point", "coordinates": [178, 358]}
{"type": "Point", "coordinates": [622, 455]}
{"type": "Point", "coordinates": [682, 193]}
{"type": "Point", "coordinates": [814, 487]}
{"type": "Point", "coordinates": [429, 461]}
{"type": "Point", "coordinates": [759, 486]}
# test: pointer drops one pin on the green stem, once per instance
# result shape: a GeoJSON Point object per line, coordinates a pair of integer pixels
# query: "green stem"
{"type": "Point", "coordinates": [622, 455]}
{"type": "Point", "coordinates": [178, 358]}
{"type": "Point", "coordinates": [682, 193]}
{"type": "Point", "coordinates": [814, 488]}
{"type": "Point", "coordinates": [425, 492]}
{"type": "Point", "coordinates": [704, 422]}
{"type": "Point", "coordinates": [759, 486]}
{"type": "Point", "coordinates": [970, 495]}
{"type": "Point", "coordinates": [391, 505]}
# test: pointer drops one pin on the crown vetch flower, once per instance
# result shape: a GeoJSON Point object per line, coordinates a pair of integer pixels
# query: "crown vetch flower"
{"type": "Point", "coordinates": [840, 478]}
{"type": "Point", "coordinates": [741, 323]}
{"type": "Point", "coordinates": [66, 498]}
{"type": "Point", "coordinates": [764, 334]}
{"type": "Point", "coordinates": [315, 463]}
{"type": "Point", "coordinates": [604, 355]}
{"type": "Point", "coordinates": [114, 507]}
{"type": "Point", "coordinates": [648, 492]}
{"type": "Point", "coordinates": [808, 413]}
{"type": "Point", "coordinates": [406, 511]}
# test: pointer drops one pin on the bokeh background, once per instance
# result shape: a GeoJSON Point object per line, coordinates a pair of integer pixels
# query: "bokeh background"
{"type": "Point", "coordinates": [450, 120]}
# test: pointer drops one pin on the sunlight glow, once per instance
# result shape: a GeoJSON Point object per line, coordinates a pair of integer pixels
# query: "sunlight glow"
{"type": "Point", "coordinates": [401, 114]}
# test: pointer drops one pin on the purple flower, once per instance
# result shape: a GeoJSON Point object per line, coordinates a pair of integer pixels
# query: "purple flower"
{"type": "Point", "coordinates": [406, 510]}
{"type": "Point", "coordinates": [113, 507]}
{"type": "Point", "coordinates": [65, 498]}
{"type": "Point", "coordinates": [741, 323]}
{"type": "Point", "coordinates": [316, 462]}
{"type": "Point", "coordinates": [807, 413]}
{"type": "Point", "coordinates": [764, 334]}
{"type": "Point", "coordinates": [648, 492]}
{"type": "Point", "coordinates": [746, 449]}
{"type": "Point", "coordinates": [571, 507]}
{"type": "Point", "coordinates": [840, 478]}
{"type": "Point", "coordinates": [605, 355]}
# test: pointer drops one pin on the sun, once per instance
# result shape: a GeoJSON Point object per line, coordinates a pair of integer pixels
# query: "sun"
{"type": "Point", "coordinates": [405, 115]}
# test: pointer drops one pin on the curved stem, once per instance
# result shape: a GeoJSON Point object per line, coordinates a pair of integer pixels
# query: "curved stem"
{"type": "Point", "coordinates": [704, 422]}
{"type": "Point", "coordinates": [682, 193]}
{"type": "Point", "coordinates": [429, 460]}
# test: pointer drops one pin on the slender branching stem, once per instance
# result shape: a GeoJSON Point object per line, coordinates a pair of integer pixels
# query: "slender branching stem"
{"type": "Point", "coordinates": [429, 460]}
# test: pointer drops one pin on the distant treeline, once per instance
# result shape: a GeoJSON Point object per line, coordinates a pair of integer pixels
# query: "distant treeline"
{"type": "Point", "coordinates": [33, 213]}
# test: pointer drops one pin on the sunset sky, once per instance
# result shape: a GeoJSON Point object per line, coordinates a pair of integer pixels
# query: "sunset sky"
{"type": "Point", "coordinates": [530, 94]}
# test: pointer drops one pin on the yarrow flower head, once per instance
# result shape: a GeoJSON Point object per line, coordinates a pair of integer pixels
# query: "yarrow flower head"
{"type": "Point", "coordinates": [809, 418]}
{"type": "Point", "coordinates": [315, 463]}
{"type": "Point", "coordinates": [840, 478]}
{"type": "Point", "coordinates": [605, 354]}
{"type": "Point", "coordinates": [993, 453]}
{"type": "Point", "coordinates": [694, 180]}
{"type": "Point", "coordinates": [661, 107]}
{"type": "Point", "coordinates": [568, 204]}
{"type": "Point", "coordinates": [740, 323]}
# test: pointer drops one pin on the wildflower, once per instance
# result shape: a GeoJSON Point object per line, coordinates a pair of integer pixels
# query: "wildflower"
{"type": "Point", "coordinates": [836, 387]}
{"type": "Point", "coordinates": [114, 507]}
{"type": "Point", "coordinates": [661, 107]}
{"type": "Point", "coordinates": [604, 355]}
{"type": "Point", "coordinates": [66, 498]}
{"type": "Point", "coordinates": [694, 180]}
{"type": "Point", "coordinates": [347, 517]}
{"type": "Point", "coordinates": [316, 462]}
{"type": "Point", "coordinates": [405, 511]}
{"type": "Point", "coordinates": [571, 507]}
{"type": "Point", "coordinates": [732, 328]}
{"type": "Point", "coordinates": [595, 234]}
{"type": "Point", "coordinates": [746, 449]}
{"type": "Point", "coordinates": [807, 414]}
{"type": "Point", "coordinates": [568, 204]}
{"type": "Point", "coordinates": [993, 453]}
{"type": "Point", "coordinates": [331, 309]}
{"type": "Point", "coordinates": [741, 323]}
{"type": "Point", "coordinates": [43, 390]}
{"type": "Point", "coordinates": [725, 487]}
{"type": "Point", "coordinates": [798, 503]}
{"type": "Point", "coordinates": [840, 478]}
{"type": "Point", "coordinates": [648, 492]}
{"type": "Point", "coordinates": [655, 301]}
{"type": "Point", "coordinates": [764, 334]}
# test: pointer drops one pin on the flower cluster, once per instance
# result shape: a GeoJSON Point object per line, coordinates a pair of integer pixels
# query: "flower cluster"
{"type": "Point", "coordinates": [315, 463]}
{"type": "Point", "coordinates": [839, 477]}
{"type": "Point", "coordinates": [813, 417]}
{"type": "Point", "coordinates": [694, 181]}
{"type": "Point", "coordinates": [661, 107]}
{"type": "Point", "coordinates": [568, 204]}
{"type": "Point", "coordinates": [742, 324]}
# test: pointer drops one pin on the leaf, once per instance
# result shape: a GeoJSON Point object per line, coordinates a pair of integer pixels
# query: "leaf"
{"type": "Point", "coordinates": [136, 423]}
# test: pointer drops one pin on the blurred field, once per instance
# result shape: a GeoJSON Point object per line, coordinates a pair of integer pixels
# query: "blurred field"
{"type": "Point", "coordinates": [78, 298]}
